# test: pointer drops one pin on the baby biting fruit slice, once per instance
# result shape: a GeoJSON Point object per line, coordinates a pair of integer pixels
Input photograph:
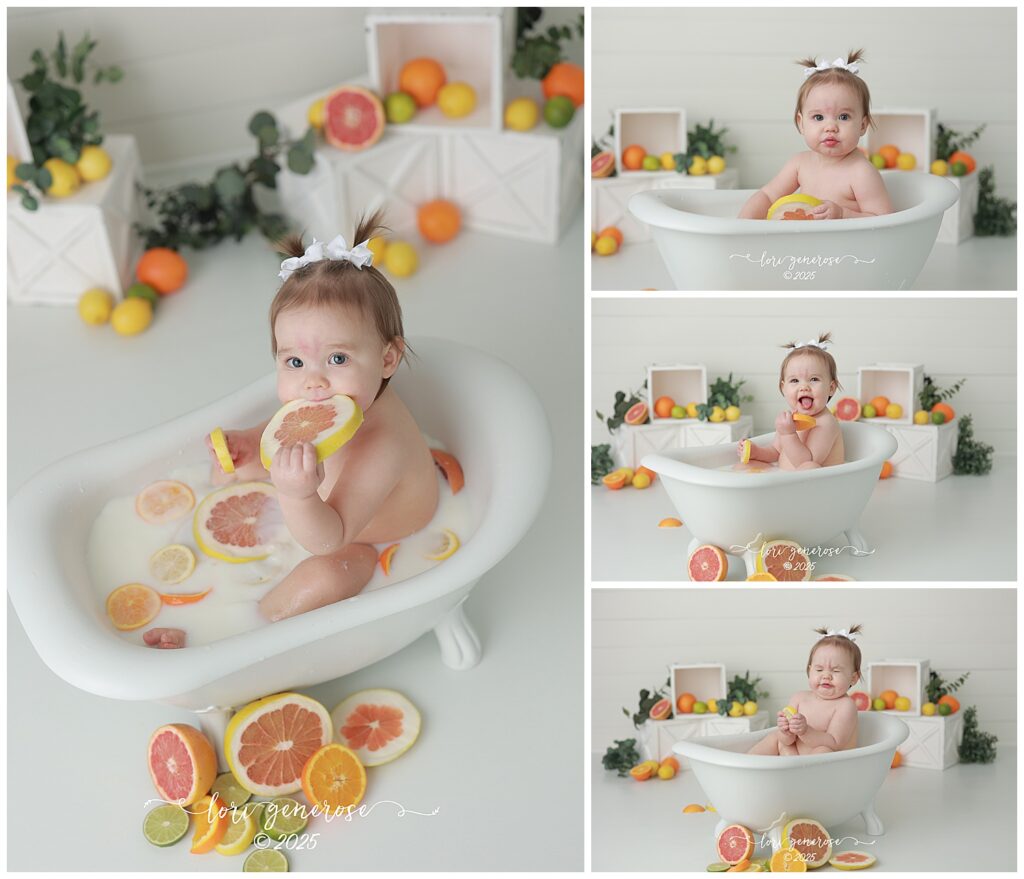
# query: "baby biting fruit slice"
{"type": "Point", "coordinates": [803, 422]}
{"type": "Point", "coordinates": [327, 424]}
{"type": "Point", "coordinates": [377, 725]}
{"type": "Point", "coordinates": [237, 524]}
{"type": "Point", "coordinates": [220, 449]}
{"type": "Point", "coordinates": [795, 198]}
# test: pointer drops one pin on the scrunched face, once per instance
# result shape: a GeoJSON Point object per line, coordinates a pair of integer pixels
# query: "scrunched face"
{"type": "Point", "coordinates": [831, 673]}
{"type": "Point", "coordinates": [322, 352]}
{"type": "Point", "coordinates": [807, 384]}
{"type": "Point", "coordinates": [832, 119]}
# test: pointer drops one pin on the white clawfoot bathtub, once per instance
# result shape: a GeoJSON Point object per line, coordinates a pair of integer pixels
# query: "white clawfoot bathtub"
{"type": "Point", "coordinates": [734, 509]}
{"type": "Point", "coordinates": [762, 793]}
{"type": "Point", "coordinates": [705, 246]}
{"type": "Point", "coordinates": [479, 407]}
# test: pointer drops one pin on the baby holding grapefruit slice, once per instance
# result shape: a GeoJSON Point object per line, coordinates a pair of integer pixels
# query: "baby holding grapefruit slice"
{"type": "Point", "coordinates": [807, 435]}
{"type": "Point", "coordinates": [835, 179]}
{"type": "Point", "coordinates": [822, 718]}
{"type": "Point", "coordinates": [348, 464]}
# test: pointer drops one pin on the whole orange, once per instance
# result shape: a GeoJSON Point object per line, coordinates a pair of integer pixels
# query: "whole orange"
{"type": "Point", "coordinates": [422, 78]}
{"type": "Point", "coordinates": [633, 157]}
{"type": "Point", "coordinates": [613, 232]}
{"type": "Point", "coordinates": [890, 153]}
{"type": "Point", "coordinates": [966, 158]}
{"type": "Point", "coordinates": [163, 269]}
{"type": "Point", "coordinates": [439, 221]}
{"type": "Point", "coordinates": [945, 409]}
{"type": "Point", "coordinates": [564, 79]}
{"type": "Point", "coordinates": [881, 404]}
{"type": "Point", "coordinates": [663, 407]}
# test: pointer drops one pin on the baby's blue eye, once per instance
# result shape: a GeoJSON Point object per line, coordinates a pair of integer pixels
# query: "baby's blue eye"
{"type": "Point", "coordinates": [818, 117]}
{"type": "Point", "coordinates": [338, 359]}
{"type": "Point", "coordinates": [844, 116]}
{"type": "Point", "coordinates": [293, 362]}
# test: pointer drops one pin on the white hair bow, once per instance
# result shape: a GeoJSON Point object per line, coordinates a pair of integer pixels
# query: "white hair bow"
{"type": "Point", "coordinates": [815, 344]}
{"type": "Point", "coordinates": [824, 65]}
{"type": "Point", "coordinates": [838, 633]}
{"type": "Point", "coordinates": [336, 248]}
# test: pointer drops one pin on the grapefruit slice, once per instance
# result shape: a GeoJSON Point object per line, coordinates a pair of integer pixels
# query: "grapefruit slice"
{"type": "Point", "coordinates": [784, 559]}
{"type": "Point", "coordinates": [735, 843]}
{"type": "Point", "coordinates": [810, 838]}
{"type": "Point", "coordinates": [220, 449]}
{"type": "Point", "coordinates": [862, 700]}
{"type": "Point", "coordinates": [636, 414]}
{"type": "Point", "coordinates": [334, 779]}
{"type": "Point", "coordinates": [852, 861]}
{"type": "Point", "coordinates": [803, 422]}
{"type": "Point", "coordinates": [182, 763]}
{"type": "Point", "coordinates": [795, 198]}
{"type": "Point", "coordinates": [172, 564]}
{"type": "Point", "coordinates": [237, 523]}
{"type": "Point", "coordinates": [707, 563]}
{"type": "Point", "coordinates": [353, 118]}
{"type": "Point", "coordinates": [269, 741]}
{"type": "Point", "coordinates": [377, 725]}
{"type": "Point", "coordinates": [602, 164]}
{"type": "Point", "coordinates": [661, 709]}
{"type": "Point", "coordinates": [327, 424]}
{"type": "Point", "coordinates": [848, 409]}
{"type": "Point", "coordinates": [132, 606]}
{"type": "Point", "coordinates": [451, 469]}
{"type": "Point", "coordinates": [164, 501]}
{"type": "Point", "coordinates": [175, 600]}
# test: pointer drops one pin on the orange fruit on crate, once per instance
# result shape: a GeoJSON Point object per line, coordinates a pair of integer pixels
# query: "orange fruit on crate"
{"type": "Point", "coordinates": [564, 79]}
{"type": "Point", "coordinates": [439, 221]}
{"type": "Point", "coordinates": [890, 153]}
{"type": "Point", "coordinates": [132, 606]}
{"type": "Point", "coordinates": [422, 78]}
{"type": "Point", "coordinates": [334, 778]}
{"type": "Point", "coordinates": [966, 158]}
{"type": "Point", "coordinates": [946, 410]}
{"type": "Point", "coordinates": [951, 701]}
{"type": "Point", "coordinates": [663, 407]}
{"type": "Point", "coordinates": [880, 404]}
{"type": "Point", "coordinates": [163, 269]}
{"type": "Point", "coordinates": [633, 157]}
{"type": "Point", "coordinates": [889, 697]}
{"type": "Point", "coordinates": [707, 563]}
{"type": "Point", "coordinates": [685, 703]}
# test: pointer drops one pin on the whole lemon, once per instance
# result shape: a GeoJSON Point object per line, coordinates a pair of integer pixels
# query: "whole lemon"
{"type": "Point", "coordinates": [716, 165]}
{"type": "Point", "coordinates": [641, 480]}
{"type": "Point", "coordinates": [698, 166]}
{"type": "Point", "coordinates": [940, 167]}
{"type": "Point", "coordinates": [399, 107]}
{"type": "Point", "coordinates": [894, 410]}
{"type": "Point", "coordinates": [691, 410]}
{"type": "Point", "coordinates": [921, 417]}
{"type": "Point", "coordinates": [93, 164]}
{"type": "Point", "coordinates": [732, 413]}
{"type": "Point", "coordinates": [132, 316]}
{"type": "Point", "coordinates": [928, 709]}
{"type": "Point", "coordinates": [906, 161]}
{"type": "Point", "coordinates": [521, 114]}
{"type": "Point", "coordinates": [315, 113]}
{"type": "Point", "coordinates": [668, 162]}
{"type": "Point", "coordinates": [736, 710]}
{"type": "Point", "coordinates": [717, 414]}
{"type": "Point", "coordinates": [400, 259]}
{"type": "Point", "coordinates": [902, 703]}
{"type": "Point", "coordinates": [606, 245]}
{"type": "Point", "coordinates": [65, 178]}
{"type": "Point", "coordinates": [95, 305]}
{"type": "Point", "coordinates": [713, 706]}
{"type": "Point", "coordinates": [12, 178]}
{"type": "Point", "coordinates": [456, 99]}
{"type": "Point", "coordinates": [378, 247]}
{"type": "Point", "coordinates": [750, 708]}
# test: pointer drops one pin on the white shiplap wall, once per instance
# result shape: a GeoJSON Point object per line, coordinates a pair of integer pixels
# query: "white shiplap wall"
{"type": "Point", "coordinates": [637, 633]}
{"type": "Point", "coordinates": [952, 338]}
{"type": "Point", "coordinates": [194, 77]}
{"type": "Point", "coordinates": [736, 66]}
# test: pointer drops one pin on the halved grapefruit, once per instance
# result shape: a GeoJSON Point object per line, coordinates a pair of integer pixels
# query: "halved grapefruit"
{"type": "Point", "coordinates": [353, 118]}
{"type": "Point", "coordinates": [327, 424]}
{"type": "Point", "coordinates": [451, 468]}
{"type": "Point", "coordinates": [707, 563]}
{"type": "Point", "coordinates": [661, 709]}
{"type": "Point", "coordinates": [862, 700]}
{"type": "Point", "coordinates": [785, 560]}
{"type": "Point", "coordinates": [602, 164]}
{"type": "Point", "coordinates": [182, 763]}
{"type": "Point", "coordinates": [377, 725]}
{"type": "Point", "coordinates": [735, 843]}
{"type": "Point", "coordinates": [238, 523]}
{"type": "Point", "coordinates": [852, 860]}
{"type": "Point", "coordinates": [637, 414]}
{"type": "Point", "coordinates": [269, 741]}
{"type": "Point", "coordinates": [810, 838]}
{"type": "Point", "coordinates": [848, 409]}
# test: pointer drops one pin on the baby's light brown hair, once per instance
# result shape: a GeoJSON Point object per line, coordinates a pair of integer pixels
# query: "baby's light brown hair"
{"type": "Point", "coordinates": [843, 643]}
{"type": "Point", "coordinates": [330, 283]}
{"type": "Point", "coordinates": [827, 359]}
{"type": "Point", "coordinates": [834, 75]}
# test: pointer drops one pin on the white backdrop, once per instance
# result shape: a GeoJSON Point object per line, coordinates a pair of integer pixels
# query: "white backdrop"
{"type": "Point", "coordinates": [952, 338]}
{"type": "Point", "coordinates": [736, 66]}
{"type": "Point", "coordinates": [637, 633]}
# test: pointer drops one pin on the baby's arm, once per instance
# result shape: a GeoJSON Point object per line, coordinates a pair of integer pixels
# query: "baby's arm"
{"type": "Point", "coordinates": [784, 183]}
{"type": "Point", "coordinates": [840, 728]}
{"type": "Point", "coordinates": [768, 454]}
{"type": "Point", "coordinates": [870, 192]}
{"type": "Point", "coordinates": [820, 440]}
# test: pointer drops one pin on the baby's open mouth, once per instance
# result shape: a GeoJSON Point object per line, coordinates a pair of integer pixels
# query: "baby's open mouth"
{"type": "Point", "coordinates": [805, 402]}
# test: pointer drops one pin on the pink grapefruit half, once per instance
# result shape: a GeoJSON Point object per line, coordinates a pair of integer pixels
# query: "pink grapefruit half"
{"type": "Point", "coordinates": [353, 118]}
{"type": "Point", "coordinates": [377, 725]}
{"type": "Point", "coordinates": [707, 563]}
{"type": "Point", "coordinates": [848, 409]}
{"type": "Point", "coordinates": [602, 164]}
{"type": "Point", "coordinates": [182, 763]}
{"type": "Point", "coordinates": [735, 843]}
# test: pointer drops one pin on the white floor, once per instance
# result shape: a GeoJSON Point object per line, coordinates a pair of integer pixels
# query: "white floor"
{"type": "Point", "coordinates": [960, 528]}
{"type": "Point", "coordinates": [77, 779]}
{"type": "Point", "coordinates": [934, 821]}
{"type": "Point", "coordinates": [976, 264]}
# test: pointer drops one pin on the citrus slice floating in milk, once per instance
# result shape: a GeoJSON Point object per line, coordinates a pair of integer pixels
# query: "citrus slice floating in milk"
{"type": "Point", "coordinates": [238, 523]}
{"type": "Point", "coordinates": [449, 545]}
{"type": "Point", "coordinates": [327, 424]}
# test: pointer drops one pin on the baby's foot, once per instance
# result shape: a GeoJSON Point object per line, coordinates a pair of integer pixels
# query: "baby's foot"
{"type": "Point", "coordinates": [165, 639]}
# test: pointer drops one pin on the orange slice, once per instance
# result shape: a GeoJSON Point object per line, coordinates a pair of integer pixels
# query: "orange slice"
{"type": "Point", "coordinates": [173, 563]}
{"type": "Point", "coordinates": [451, 469]}
{"type": "Point", "coordinates": [741, 867]}
{"type": "Point", "coordinates": [334, 778]}
{"type": "Point", "coordinates": [220, 449]}
{"type": "Point", "coordinates": [385, 558]}
{"type": "Point", "coordinates": [164, 501]}
{"type": "Point", "coordinates": [788, 860]}
{"type": "Point", "coordinates": [693, 809]}
{"type": "Point", "coordinates": [210, 828]}
{"type": "Point", "coordinates": [132, 606]}
{"type": "Point", "coordinates": [670, 522]}
{"type": "Point", "coordinates": [803, 422]}
{"type": "Point", "coordinates": [449, 545]}
{"type": "Point", "coordinates": [746, 451]}
{"type": "Point", "coordinates": [184, 598]}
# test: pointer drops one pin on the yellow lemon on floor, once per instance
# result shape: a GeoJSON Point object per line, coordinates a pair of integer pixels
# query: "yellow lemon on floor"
{"type": "Point", "coordinates": [940, 167]}
{"type": "Point", "coordinates": [315, 113]}
{"type": "Point", "coordinates": [131, 316]}
{"type": "Point", "coordinates": [906, 161]}
{"type": "Point", "coordinates": [377, 246]}
{"type": "Point", "coordinates": [928, 709]}
{"type": "Point", "coordinates": [65, 178]}
{"type": "Point", "coordinates": [716, 165]}
{"type": "Point", "coordinates": [691, 410]}
{"type": "Point", "coordinates": [521, 114]}
{"type": "Point", "coordinates": [795, 198]}
{"type": "Point", "coordinates": [95, 306]}
{"type": "Point", "coordinates": [717, 415]}
{"type": "Point", "coordinates": [606, 245]}
{"type": "Point", "coordinates": [750, 708]}
{"type": "Point", "coordinates": [641, 480]}
{"type": "Point", "coordinates": [732, 413]}
{"type": "Point", "coordinates": [668, 161]}
{"type": "Point", "coordinates": [93, 164]}
{"type": "Point", "coordinates": [12, 178]}
{"type": "Point", "coordinates": [456, 99]}
{"type": "Point", "coordinates": [921, 417]}
{"type": "Point", "coordinates": [400, 259]}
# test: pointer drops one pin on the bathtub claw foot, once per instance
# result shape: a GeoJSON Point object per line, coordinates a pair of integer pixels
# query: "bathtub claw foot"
{"type": "Point", "coordinates": [872, 823]}
{"type": "Point", "coordinates": [460, 646]}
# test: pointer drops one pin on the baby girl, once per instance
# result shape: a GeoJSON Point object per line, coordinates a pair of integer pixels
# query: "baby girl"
{"type": "Point", "coordinates": [823, 718]}
{"type": "Point", "coordinates": [335, 328]}
{"type": "Point", "coordinates": [832, 112]}
{"type": "Point", "coordinates": [807, 380]}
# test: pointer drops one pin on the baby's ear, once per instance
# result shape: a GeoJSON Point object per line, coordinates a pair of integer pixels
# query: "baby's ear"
{"type": "Point", "coordinates": [393, 352]}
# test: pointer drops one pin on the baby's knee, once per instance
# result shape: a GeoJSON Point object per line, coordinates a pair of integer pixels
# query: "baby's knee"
{"type": "Point", "coordinates": [809, 465]}
{"type": "Point", "coordinates": [823, 749]}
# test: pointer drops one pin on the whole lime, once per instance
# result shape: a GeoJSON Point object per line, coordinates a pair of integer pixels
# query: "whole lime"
{"type": "Point", "coordinates": [678, 412]}
{"type": "Point", "coordinates": [958, 169]}
{"type": "Point", "coordinates": [399, 107]}
{"type": "Point", "coordinates": [878, 704]}
{"type": "Point", "coordinates": [651, 163]}
{"type": "Point", "coordinates": [143, 291]}
{"type": "Point", "coordinates": [869, 411]}
{"type": "Point", "coordinates": [938, 417]}
{"type": "Point", "coordinates": [699, 707]}
{"type": "Point", "coordinates": [558, 111]}
{"type": "Point", "coordinates": [944, 709]}
{"type": "Point", "coordinates": [878, 161]}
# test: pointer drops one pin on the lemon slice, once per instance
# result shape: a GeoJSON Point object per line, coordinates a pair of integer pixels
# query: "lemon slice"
{"type": "Point", "coordinates": [327, 424]}
{"type": "Point", "coordinates": [790, 710]}
{"type": "Point", "coordinates": [241, 832]}
{"type": "Point", "coordinates": [795, 198]}
{"type": "Point", "coordinates": [220, 449]}
{"type": "Point", "coordinates": [449, 546]}
{"type": "Point", "coordinates": [173, 563]}
{"type": "Point", "coordinates": [746, 452]}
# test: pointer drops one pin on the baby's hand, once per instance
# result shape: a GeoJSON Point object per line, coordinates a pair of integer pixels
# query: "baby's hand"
{"type": "Point", "coordinates": [295, 472]}
{"type": "Point", "coordinates": [827, 210]}
{"type": "Point", "coordinates": [241, 447]}
{"type": "Point", "coordinates": [784, 423]}
{"type": "Point", "coordinates": [782, 721]}
{"type": "Point", "coordinates": [798, 724]}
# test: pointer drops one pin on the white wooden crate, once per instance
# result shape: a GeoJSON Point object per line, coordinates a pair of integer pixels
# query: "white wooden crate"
{"type": "Point", "coordinates": [933, 742]}
{"type": "Point", "coordinates": [707, 433]}
{"type": "Point", "coordinates": [924, 451]}
{"type": "Point", "coordinates": [705, 680]}
{"type": "Point", "coordinates": [684, 383]}
{"type": "Point", "coordinates": [656, 737]}
{"type": "Point", "coordinates": [912, 131]}
{"type": "Point", "coordinates": [56, 253]}
{"type": "Point", "coordinates": [657, 129]}
{"type": "Point", "coordinates": [898, 382]}
{"type": "Point", "coordinates": [906, 676]}
{"type": "Point", "coordinates": [958, 220]}
{"type": "Point", "coordinates": [630, 443]}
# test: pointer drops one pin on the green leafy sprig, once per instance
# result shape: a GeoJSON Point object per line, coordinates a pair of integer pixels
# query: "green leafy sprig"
{"type": "Point", "coordinates": [931, 393]}
{"type": "Point", "coordinates": [623, 404]}
{"type": "Point", "coordinates": [973, 457]}
{"type": "Point", "coordinates": [537, 53]}
{"type": "Point", "coordinates": [976, 746]}
{"type": "Point", "coordinates": [742, 690]}
{"type": "Point", "coordinates": [601, 462]}
{"type": "Point", "coordinates": [937, 686]}
{"type": "Point", "coordinates": [648, 699]}
{"type": "Point", "coordinates": [621, 757]}
{"type": "Point", "coordinates": [724, 392]}
{"type": "Point", "coordinates": [995, 216]}
{"type": "Point", "coordinates": [948, 141]}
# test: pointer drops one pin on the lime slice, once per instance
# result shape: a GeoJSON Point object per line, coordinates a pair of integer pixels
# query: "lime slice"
{"type": "Point", "coordinates": [165, 825]}
{"type": "Point", "coordinates": [282, 818]}
{"type": "Point", "coordinates": [231, 793]}
{"type": "Point", "coordinates": [241, 832]}
{"type": "Point", "coordinates": [266, 860]}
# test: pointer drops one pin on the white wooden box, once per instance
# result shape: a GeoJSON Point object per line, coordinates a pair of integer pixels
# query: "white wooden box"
{"type": "Point", "coordinates": [630, 443]}
{"type": "Point", "coordinates": [912, 131]}
{"type": "Point", "coordinates": [727, 179]}
{"type": "Point", "coordinates": [657, 130]}
{"type": "Point", "coordinates": [933, 742]}
{"type": "Point", "coordinates": [656, 737]}
{"type": "Point", "coordinates": [473, 47]}
{"type": "Point", "coordinates": [56, 253]}
{"type": "Point", "coordinates": [706, 433]}
{"type": "Point", "coordinates": [705, 680]}
{"type": "Point", "coordinates": [924, 451]}
{"type": "Point", "coordinates": [684, 383]}
{"type": "Point", "coordinates": [906, 676]}
{"type": "Point", "coordinates": [958, 220]}
{"type": "Point", "coordinates": [898, 382]}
